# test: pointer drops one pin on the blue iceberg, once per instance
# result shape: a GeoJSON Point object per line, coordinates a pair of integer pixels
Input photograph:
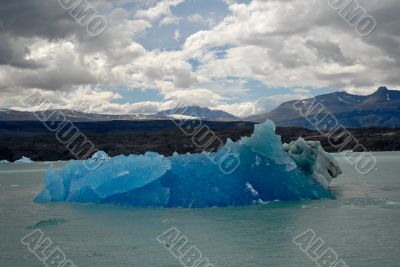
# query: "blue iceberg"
{"type": "Point", "coordinates": [264, 170]}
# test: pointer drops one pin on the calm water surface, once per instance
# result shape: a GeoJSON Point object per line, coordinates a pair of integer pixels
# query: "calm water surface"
{"type": "Point", "coordinates": [361, 225]}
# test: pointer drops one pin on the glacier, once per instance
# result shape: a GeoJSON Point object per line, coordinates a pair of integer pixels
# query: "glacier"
{"type": "Point", "coordinates": [268, 170]}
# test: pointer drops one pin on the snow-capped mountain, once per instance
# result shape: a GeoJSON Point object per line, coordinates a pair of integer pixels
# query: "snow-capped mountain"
{"type": "Point", "coordinates": [199, 112]}
{"type": "Point", "coordinates": [77, 116]}
{"type": "Point", "coordinates": [71, 115]}
{"type": "Point", "coordinates": [381, 108]}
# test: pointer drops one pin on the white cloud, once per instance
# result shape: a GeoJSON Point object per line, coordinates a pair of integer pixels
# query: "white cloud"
{"type": "Point", "coordinates": [170, 20]}
{"type": "Point", "coordinates": [177, 35]}
{"type": "Point", "coordinates": [262, 105]}
{"type": "Point", "coordinates": [196, 18]}
{"type": "Point", "coordinates": [293, 44]}
{"type": "Point", "coordinates": [199, 19]}
{"type": "Point", "coordinates": [161, 10]}
{"type": "Point", "coordinates": [239, 109]}
{"type": "Point", "coordinates": [271, 42]}
{"type": "Point", "coordinates": [96, 100]}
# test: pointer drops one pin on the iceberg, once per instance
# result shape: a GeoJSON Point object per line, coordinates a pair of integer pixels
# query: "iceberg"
{"type": "Point", "coordinates": [4, 161]}
{"type": "Point", "coordinates": [267, 170]}
{"type": "Point", "coordinates": [23, 160]}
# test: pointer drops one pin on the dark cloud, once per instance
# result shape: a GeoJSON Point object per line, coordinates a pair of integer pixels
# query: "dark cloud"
{"type": "Point", "coordinates": [25, 20]}
{"type": "Point", "coordinates": [330, 52]}
{"type": "Point", "coordinates": [36, 18]}
{"type": "Point", "coordinates": [13, 52]}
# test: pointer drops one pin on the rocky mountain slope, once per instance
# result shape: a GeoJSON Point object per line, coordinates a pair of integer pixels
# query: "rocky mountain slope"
{"type": "Point", "coordinates": [381, 108]}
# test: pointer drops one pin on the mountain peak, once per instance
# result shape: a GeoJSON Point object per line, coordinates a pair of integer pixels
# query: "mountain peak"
{"type": "Point", "coordinates": [379, 108]}
{"type": "Point", "coordinates": [383, 95]}
{"type": "Point", "coordinates": [380, 93]}
{"type": "Point", "coordinates": [382, 89]}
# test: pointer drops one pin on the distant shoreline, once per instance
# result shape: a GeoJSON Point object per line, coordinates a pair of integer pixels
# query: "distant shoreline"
{"type": "Point", "coordinates": [31, 139]}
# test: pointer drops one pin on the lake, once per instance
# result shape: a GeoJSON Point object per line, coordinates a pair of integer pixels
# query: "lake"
{"type": "Point", "coordinates": [361, 226]}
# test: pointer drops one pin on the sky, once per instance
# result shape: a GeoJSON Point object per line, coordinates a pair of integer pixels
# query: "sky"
{"type": "Point", "coordinates": [244, 57]}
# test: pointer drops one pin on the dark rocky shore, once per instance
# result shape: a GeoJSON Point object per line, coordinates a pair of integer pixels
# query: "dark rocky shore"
{"type": "Point", "coordinates": [33, 140]}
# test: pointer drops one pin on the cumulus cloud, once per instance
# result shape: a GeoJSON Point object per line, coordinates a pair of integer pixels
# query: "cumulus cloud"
{"type": "Point", "coordinates": [263, 104]}
{"type": "Point", "coordinates": [162, 10]}
{"type": "Point", "coordinates": [300, 43]}
{"type": "Point", "coordinates": [280, 44]}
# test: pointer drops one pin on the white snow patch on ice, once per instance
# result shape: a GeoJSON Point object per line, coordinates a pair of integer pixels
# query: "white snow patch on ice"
{"type": "Point", "coordinates": [24, 160]}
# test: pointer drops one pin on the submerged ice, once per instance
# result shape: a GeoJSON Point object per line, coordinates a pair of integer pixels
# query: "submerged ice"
{"type": "Point", "coordinates": [267, 171]}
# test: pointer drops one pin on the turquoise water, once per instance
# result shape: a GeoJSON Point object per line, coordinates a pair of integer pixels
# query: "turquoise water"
{"type": "Point", "coordinates": [361, 226]}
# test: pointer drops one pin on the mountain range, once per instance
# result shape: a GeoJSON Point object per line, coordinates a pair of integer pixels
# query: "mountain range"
{"type": "Point", "coordinates": [382, 108]}
{"type": "Point", "coordinates": [77, 116]}
{"type": "Point", "coordinates": [72, 115]}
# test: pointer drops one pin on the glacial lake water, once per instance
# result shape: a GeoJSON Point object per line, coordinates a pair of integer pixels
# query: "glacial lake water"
{"type": "Point", "coordinates": [362, 225]}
